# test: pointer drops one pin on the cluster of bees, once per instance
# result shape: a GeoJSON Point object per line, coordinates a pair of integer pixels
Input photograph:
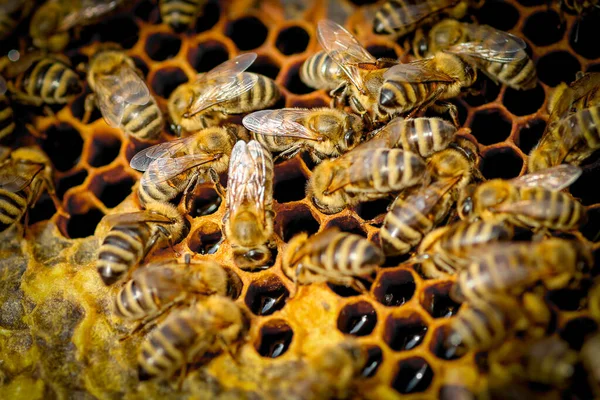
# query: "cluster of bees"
{"type": "Point", "coordinates": [372, 143]}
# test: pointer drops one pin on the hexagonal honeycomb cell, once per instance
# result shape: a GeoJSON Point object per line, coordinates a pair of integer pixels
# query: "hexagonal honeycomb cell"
{"type": "Point", "coordinates": [59, 337]}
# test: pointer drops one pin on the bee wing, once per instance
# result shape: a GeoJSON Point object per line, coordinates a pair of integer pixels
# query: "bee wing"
{"type": "Point", "coordinates": [428, 196]}
{"type": "Point", "coordinates": [538, 209]}
{"type": "Point", "coordinates": [166, 168]}
{"type": "Point", "coordinates": [224, 82]}
{"type": "Point", "coordinates": [247, 176]}
{"type": "Point", "coordinates": [416, 72]}
{"type": "Point", "coordinates": [554, 178]}
{"type": "Point", "coordinates": [491, 44]}
{"type": "Point", "coordinates": [282, 122]}
{"type": "Point", "coordinates": [572, 128]}
{"type": "Point", "coordinates": [14, 179]}
{"type": "Point", "coordinates": [315, 244]}
{"type": "Point", "coordinates": [171, 149]}
{"type": "Point", "coordinates": [114, 92]}
{"type": "Point", "coordinates": [135, 217]}
{"type": "Point", "coordinates": [344, 49]}
{"type": "Point", "coordinates": [89, 10]}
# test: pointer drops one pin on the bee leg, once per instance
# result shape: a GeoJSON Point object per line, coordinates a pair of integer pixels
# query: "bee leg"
{"type": "Point", "coordinates": [89, 105]}
{"type": "Point", "coordinates": [540, 234]}
{"type": "Point", "coordinates": [363, 113]}
{"type": "Point", "coordinates": [289, 153]}
{"type": "Point", "coordinates": [378, 220]}
{"type": "Point", "coordinates": [214, 178]}
{"type": "Point", "coordinates": [227, 349]}
{"type": "Point", "coordinates": [339, 96]}
{"type": "Point", "coordinates": [34, 132]}
{"type": "Point", "coordinates": [446, 106]}
{"type": "Point", "coordinates": [189, 189]}
{"type": "Point", "coordinates": [182, 376]}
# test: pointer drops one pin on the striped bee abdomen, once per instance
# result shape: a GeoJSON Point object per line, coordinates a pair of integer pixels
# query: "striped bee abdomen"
{"type": "Point", "coordinates": [349, 254]}
{"type": "Point", "coordinates": [519, 74]}
{"type": "Point", "coordinates": [321, 72]}
{"type": "Point", "coordinates": [7, 122]}
{"type": "Point", "coordinates": [263, 94]}
{"type": "Point", "coordinates": [50, 80]}
{"type": "Point", "coordinates": [180, 14]}
{"type": "Point", "coordinates": [12, 207]}
{"type": "Point", "coordinates": [143, 121]}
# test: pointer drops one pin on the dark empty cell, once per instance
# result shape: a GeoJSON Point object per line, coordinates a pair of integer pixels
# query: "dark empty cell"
{"type": "Point", "coordinates": [404, 333]}
{"type": "Point", "coordinates": [357, 319]}
{"type": "Point", "coordinates": [593, 68]}
{"type": "Point", "coordinates": [105, 148]}
{"type": "Point", "coordinates": [141, 65]}
{"type": "Point", "coordinates": [557, 67]}
{"type": "Point", "coordinates": [363, 2]}
{"type": "Point", "coordinates": [274, 339]}
{"type": "Point", "coordinates": [412, 376]}
{"type": "Point", "coordinates": [345, 291]}
{"type": "Point", "coordinates": [166, 80]}
{"type": "Point", "coordinates": [247, 33]}
{"type": "Point", "coordinates": [208, 17]}
{"type": "Point", "coordinates": [207, 239]}
{"type": "Point", "coordinates": [296, 221]}
{"type": "Point", "coordinates": [162, 46]}
{"type": "Point", "coordinates": [70, 181]}
{"type": "Point", "coordinates": [530, 135]}
{"type": "Point", "coordinates": [382, 52]}
{"type": "Point", "coordinates": [584, 36]}
{"type": "Point", "coordinates": [43, 210]}
{"type": "Point", "coordinates": [394, 288]}
{"type": "Point", "coordinates": [267, 295]}
{"type": "Point", "coordinates": [289, 183]}
{"type": "Point", "coordinates": [292, 40]}
{"type": "Point", "coordinates": [293, 82]}
{"type": "Point", "coordinates": [501, 163]}
{"type": "Point", "coordinates": [524, 102]}
{"type": "Point", "coordinates": [206, 202]}
{"type": "Point", "coordinates": [490, 126]}
{"type": "Point", "coordinates": [347, 224]}
{"type": "Point", "coordinates": [235, 284]}
{"type": "Point", "coordinates": [591, 228]}
{"type": "Point", "coordinates": [207, 56]}
{"type": "Point", "coordinates": [126, 35]}
{"type": "Point", "coordinates": [83, 225]}
{"type": "Point", "coordinates": [575, 331]}
{"type": "Point", "coordinates": [441, 346]}
{"type": "Point", "coordinates": [499, 14]}
{"type": "Point", "coordinates": [532, 3]}
{"type": "Point", "coordinates": [585, 188]}
{"type": "Point", "coordinates": [264, 66]}
{"type": "Point", "coordinates": [372, 209]}
{"type": "Point", "coordinates": [544, 28]}
{"type": "Point", "coordinates": [63, 145]}
{"type": "Point", "coordinates": [484, 91]}
{"type": "Point", "coordinates": [374, 360]}
{"type": "Point", "coordinates": [78, 107]}
{"type": "Point", "coordinates": [147, 10]}
{"type": "Point", "coordinates": [569, 299]}
{"type": "Point", "coordinates": [437, 301]}
{"type": "Point", "coordinates": [114, 193]}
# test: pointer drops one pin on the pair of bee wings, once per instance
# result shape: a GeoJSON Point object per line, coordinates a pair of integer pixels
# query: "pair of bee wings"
{"type": "Point", "coordinates": [86, 11]}
{"type": "Point", "coordinates": [248, 177]}
{"type": "Point", "coordinates": [285, 122]}
{"type": "Point", "coordinates": [17, 177]}
{"type": "Point", "coordinates": [135, 217]}
{"type": "Point", "coordinates": [224, 82]}
{"type": "Point", "coordinates": [165, 161]}
{"type": "Point", "coordinates": [115, 92]}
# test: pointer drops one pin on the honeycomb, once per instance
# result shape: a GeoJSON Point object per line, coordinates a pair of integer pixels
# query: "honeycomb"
{"type": "Point", "coordinates": [59, 338]}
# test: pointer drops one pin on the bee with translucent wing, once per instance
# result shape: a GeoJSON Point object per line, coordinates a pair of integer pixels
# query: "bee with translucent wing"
{"type": "Point", "coordinates": [224, 90]}
{"type": "Point", "coordinates": [178, 165]}
{"type": "Point", "coordinates": [180, 14]}
{"type": "Point", "coordinates": [248, 221]}
{"type": "Point", "coordinates": [323, 132]}
{"type": "Point", "coordinates": [122, 95]}
{"type": "Point", "coordinates": [7, 120]}
{"type": "Point", "coordinates": [321, 72]}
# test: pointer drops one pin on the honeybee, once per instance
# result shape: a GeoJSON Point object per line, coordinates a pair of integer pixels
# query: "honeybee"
{"type": "Point", "coordinates": [364, 75]}
{"type": "Point", "coordinates": [187, 335]}
{"type": "Point", "coordinates": [484, 325]}
{"type": "Point", "coordinates": [512, 268]}
{"type": "Point", "coordinates": [400, 17]}
{"type": "Point", "coordinates": [571, 134]}
{"type": "Point", "coordinates": [133, 235]}
{"type": "Point", "coordinates": [180, 14]}
{"type": "Point", "coordinates": [510, 65]}
{"type": "Point", "coordinates": [51, 22]}
{"type": "Point", "coordinates": [532, 200]}
{"type": "Point", "coordinates": [323, 132]}
{"type": "Point", "coordinates": [590, 357]}
{"type": "Point", "coordinates": [176, 166]}
{"type": "Point", "coordinates": [423, 136]}
{"type": "Point", "coordinates": [122, 95]}
{"type": "Point", "coordinates": [321, 72]}
{"type": "Point", "coordinates": [362, 175]}
{"type": "Point", "coordinates": [225, 89]}
{"type": "Point", "coordinates": [11, 13]}
{"type": "Point", "coordinates": [550, 361]}
{"type": "Point", "coordinates": [38, 79]}
{"type": "Point", "coordinates": [7, 120]}
{"type": "Point", "coordinates": [447, 249]}
{"type": "Point", "coordinates": [25, 174]}
{"type": "Point", "coordinates": [155, 288]}
{"type": "Point", "coordinates": [331, 256]}
{"type": "Point", "coordinates": [248, 221]}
